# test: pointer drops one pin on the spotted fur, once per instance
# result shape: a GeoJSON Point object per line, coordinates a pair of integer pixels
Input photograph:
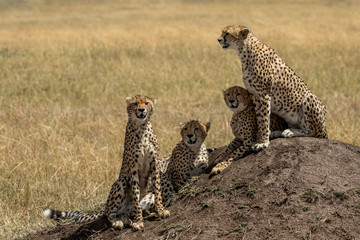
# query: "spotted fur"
{"type": "Point", "coordinates": [244, 127]}
{"type": "Point", "coordinates": [274, 87]}
{"type": "Point", "coordinates": [138, 177]}
{"type": "Point", "coordinates": [189, 158]}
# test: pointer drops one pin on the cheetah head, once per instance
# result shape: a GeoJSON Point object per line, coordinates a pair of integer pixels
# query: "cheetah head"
{"type": "Point", "coordinates": [140, 108]}
{"type": "Point", "coordinates": [194, 132]}
{"type": "Point", "coordinates": [233, 36]}
{"type": "Point", "coordinates": [237, 98]}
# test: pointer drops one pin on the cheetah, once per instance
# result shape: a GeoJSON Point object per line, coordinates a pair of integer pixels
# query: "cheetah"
{"type": "Point", "coordinates": [244, 127]}
{"type": "Point", "coordinates": [138, 177]}
{"type": "Point", "coordinates": [275, 88]}
{"type": "Point", "coordinates": [189, 158]}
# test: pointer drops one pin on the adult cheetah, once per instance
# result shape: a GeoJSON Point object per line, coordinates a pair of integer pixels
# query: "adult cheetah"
{"type": "Point", "coordinates": [138, 177]}
{"type": "Point", "coordinates": [275, 88]}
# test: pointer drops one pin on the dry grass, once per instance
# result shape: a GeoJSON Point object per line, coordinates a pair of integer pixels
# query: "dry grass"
{"type": "Point", "coordinates": [67, 66]}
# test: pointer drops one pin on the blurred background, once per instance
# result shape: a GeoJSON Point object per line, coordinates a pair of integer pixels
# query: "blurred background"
{"type": "Point", "coordinates": [66, 68]}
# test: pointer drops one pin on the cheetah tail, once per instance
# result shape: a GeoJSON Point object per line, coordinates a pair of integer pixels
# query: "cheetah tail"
{"type": "Point", "coordinates": [56, 214]}
{"type": "Point", "coordinates": [78, 216]}
{"type": "Point", "coordinates": [85, 218]}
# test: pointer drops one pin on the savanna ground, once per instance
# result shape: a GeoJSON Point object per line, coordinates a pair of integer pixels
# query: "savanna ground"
{"type": "Point", "coordinates": [66, 68]}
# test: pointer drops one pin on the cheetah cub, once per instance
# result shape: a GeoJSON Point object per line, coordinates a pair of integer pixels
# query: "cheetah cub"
{"type": "Point", "coordinates": [189, 158]}
{"type": "Point", "coordinates": [244, 127]}
{"type": "Point", "coordinates": [138, 177]}
{"type": "Point", "coordinates": [275, 88]}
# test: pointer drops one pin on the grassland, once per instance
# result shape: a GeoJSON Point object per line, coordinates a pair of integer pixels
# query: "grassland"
{"type": "Point", "coordinates": [66, 68]}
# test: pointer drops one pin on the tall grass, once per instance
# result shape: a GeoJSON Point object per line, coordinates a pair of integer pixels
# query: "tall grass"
{"type": "Point", "coordinates": [66, 68]}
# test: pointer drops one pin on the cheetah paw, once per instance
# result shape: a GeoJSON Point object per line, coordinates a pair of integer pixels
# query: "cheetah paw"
{"type": "Point", "coordinates": [259, 146]}
{"type": "Point", "coordinates": [136, 226]}
{"type": "Point", "coordinates": [215, 171]}
{"type": "Point", "coordinates": [287, 133]}
{"type": "Point", "coordinates": [164, 214]}
{"type": "Point", "coordinates": [118, 225]}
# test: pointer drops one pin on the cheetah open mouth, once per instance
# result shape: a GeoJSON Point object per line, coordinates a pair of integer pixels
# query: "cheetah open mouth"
{"type": "Point", "coordinates": [142, 116]}
{"type": "Point", "coordinates": [234, 107]}
{"type": "Point", "coordinates": [192, 142]}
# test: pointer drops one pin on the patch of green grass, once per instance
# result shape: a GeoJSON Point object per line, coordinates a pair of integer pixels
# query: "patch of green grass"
{"type": "Point", "coordinates": [342, 196]}
{"type": "Point", "coordinates": [214, 189]}
{"type": "Point", "coordinates": [173, 226]}
{"type": "Point", "coordinates": [305, 209]}
{"type": "Point", "coordinates": [217, 191]}
{"type": "Point", "coordinates": [241, 185]}
{"type": "Point", "coordinates": [193, 192]}
{"type": "Point", "coordinates": [250, 192]}
{"type": "Point", "coordinates": [239, 229]}
{"type": "Point", "coordinates": [204, 205]}
{"type": "Point", "coordinates": [187, 190]}
{"type": "Point", "coordinates": [310, 196]}
{"type": "Point", "coordinates": [358, 191]}
{"type": "Point", "coordinates": [242, 226]}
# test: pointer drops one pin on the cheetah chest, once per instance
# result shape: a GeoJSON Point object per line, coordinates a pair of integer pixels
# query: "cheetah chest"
{"type": "Point", "coordinates": [146, 152]}
{"type": "Point", "coordinates": [200, 162]}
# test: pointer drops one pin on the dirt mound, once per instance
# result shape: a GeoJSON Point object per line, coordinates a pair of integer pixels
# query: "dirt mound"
{"type": "Point", "coordinates": [301, 188]}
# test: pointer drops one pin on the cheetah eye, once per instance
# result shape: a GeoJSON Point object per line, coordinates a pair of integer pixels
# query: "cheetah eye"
{"type": "Point", "coordinates": [196, 129]}
{"type": "Point", "coordinates": [238, 95]}
{"type": "Point", "coordinates": [228, 95]}
{"type": "Point", "coordinates": [185, 129]}
{"type": "Point", "coordinates": [226, 35]}
{"type": "Point", "coordinates": [135, 104]}
{"type": "Point", "coordinates": [146, 103]}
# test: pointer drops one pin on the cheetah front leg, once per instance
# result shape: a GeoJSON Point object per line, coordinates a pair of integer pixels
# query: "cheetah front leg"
{"type": "Point", "coordinates": [221, 166]}
{"type": "Point", "coordinates": [293, 132]}
{"type": "Point", "coordinates": [233, 145]}
{"type": "Point", "coordinates": [138, 222]}
{"type": "Point", "coordinates": [275, 134]}
{"type": "Point", "coordinates": [155, 179]}
{"type": "Point", "coordinates": [263, 110]}
{"type": "Point", "coordinates": [235, 155]}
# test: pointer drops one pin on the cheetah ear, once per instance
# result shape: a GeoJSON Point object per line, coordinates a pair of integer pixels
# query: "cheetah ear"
{"type": "Point", "coordinates": [208, 125]}
{"type": "Point", "coordinates": [128, 99]}
{"type": "Point", "coordinates": [244, 33]}
{"type": "Point", "coordinates": [154, 102]}
{"type": "Point", "coordinates": [181, 124]}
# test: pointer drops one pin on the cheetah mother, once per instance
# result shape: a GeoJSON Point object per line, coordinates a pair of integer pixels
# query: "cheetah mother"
{"type": "Point", "coordinates": [275, 88]}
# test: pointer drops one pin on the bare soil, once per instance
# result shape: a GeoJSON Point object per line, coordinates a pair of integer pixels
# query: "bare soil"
{"type": "Point", "coordinates": [300, 188]}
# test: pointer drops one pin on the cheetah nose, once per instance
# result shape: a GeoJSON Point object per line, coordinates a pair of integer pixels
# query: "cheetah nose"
{"type": "Point", "coordinates": [219, 39]}
{"type": "Point", "coordinates": [141, 109]}
{"type": "Point", "coordinates": [190, 135]}
{"type": "Point", "coordinates": [231, 101]}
